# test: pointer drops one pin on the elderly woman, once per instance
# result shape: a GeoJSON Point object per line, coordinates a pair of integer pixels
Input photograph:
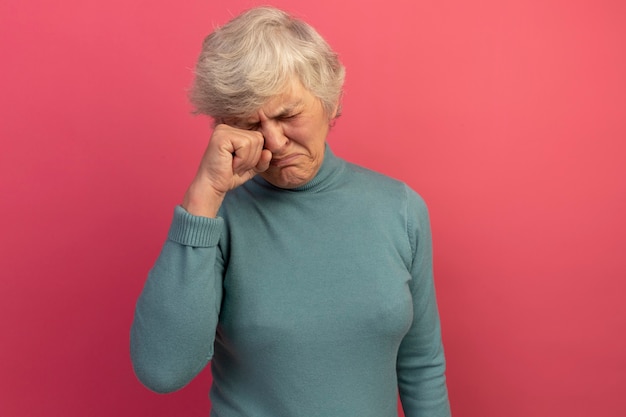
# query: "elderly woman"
{"type": "Point", "coordinates": [305, 280]}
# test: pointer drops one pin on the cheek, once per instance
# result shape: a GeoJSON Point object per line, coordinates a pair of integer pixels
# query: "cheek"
{"type": "Point", "coordinates": [311, 134]}
{"type": "Point", "coordinates": [299, 134]}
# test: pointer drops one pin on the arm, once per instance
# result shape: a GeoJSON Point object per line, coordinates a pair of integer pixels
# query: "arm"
{"type": "Point", "coordinates": [421, 362]}
{"type": "Point", "coordinates": [177, 312]}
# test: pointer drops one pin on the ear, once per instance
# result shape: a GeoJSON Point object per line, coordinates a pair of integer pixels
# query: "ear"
{"type": "Point", "coordinates": [336, 110]}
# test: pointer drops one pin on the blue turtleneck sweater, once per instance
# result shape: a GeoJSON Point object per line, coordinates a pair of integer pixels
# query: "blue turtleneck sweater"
{"type": "Point", "coordinates": [315, 301]}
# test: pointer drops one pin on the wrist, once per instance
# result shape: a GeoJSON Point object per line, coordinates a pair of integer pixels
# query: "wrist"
{"type": "Point", "coordinates": [202, 200]}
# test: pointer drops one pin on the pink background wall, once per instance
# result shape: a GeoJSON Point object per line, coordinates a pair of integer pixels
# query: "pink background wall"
{"type": "Point", "coordinates": [508, 117]}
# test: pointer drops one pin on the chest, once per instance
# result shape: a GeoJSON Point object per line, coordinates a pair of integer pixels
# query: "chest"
{"type": "Point", "coordinates": [315, 278]}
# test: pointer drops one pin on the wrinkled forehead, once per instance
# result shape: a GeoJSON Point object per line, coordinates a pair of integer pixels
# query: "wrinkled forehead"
{"type": "Point", "coordinates": [292, 97]}
{"type": "Point", "coordinates": [280, 107]}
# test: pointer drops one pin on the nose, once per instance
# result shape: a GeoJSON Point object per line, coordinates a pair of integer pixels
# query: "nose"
{"type": "Point", "coordinates": [274, 135]}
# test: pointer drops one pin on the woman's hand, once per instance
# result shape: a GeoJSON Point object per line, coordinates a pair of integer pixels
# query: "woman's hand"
{"type": "Point", "coordinates": [232, 157]}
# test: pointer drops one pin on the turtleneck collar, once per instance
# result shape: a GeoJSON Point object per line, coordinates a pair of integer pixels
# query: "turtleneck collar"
{"type": "Point", "coordinates": [325, 177]}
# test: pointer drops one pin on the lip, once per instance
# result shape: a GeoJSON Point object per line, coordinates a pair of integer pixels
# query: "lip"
{"type": "Point", "coordinates": [284, 161]}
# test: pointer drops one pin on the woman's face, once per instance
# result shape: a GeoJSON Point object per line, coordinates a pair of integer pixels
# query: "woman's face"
{"type": "Point", "coordinates": [294, 125]}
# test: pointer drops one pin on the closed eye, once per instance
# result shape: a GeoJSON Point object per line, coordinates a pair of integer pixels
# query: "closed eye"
{"type": "Point", "coordinates": [289, 117]}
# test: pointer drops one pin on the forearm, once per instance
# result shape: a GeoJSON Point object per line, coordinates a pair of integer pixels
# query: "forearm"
{"type": "Point", "coordinates": [421, 363]}
{"type": "Point", "coordinates": [177, 312]}
{"type": "Point", "coordinates": [422, 381]}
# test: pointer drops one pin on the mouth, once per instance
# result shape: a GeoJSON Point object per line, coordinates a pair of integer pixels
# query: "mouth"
{"type": "Point", "coordinates": [284, 160]}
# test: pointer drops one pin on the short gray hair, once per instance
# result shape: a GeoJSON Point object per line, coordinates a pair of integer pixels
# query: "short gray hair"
{"type": "Point", "coordinates": [255, 56]}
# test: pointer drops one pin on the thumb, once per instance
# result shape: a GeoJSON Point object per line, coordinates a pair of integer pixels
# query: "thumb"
{"type": "Point", "coordinates": [264, 161]}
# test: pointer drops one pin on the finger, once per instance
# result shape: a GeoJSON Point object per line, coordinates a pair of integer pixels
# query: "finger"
{"type": "Point", "coordinates": [264, 161]}
{"type": "Point", "coordinates": [247, 150]}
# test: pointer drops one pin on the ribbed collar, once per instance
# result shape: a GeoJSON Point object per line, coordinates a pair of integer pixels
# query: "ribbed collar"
{"type": "Point", "coordinates": [327, 175]}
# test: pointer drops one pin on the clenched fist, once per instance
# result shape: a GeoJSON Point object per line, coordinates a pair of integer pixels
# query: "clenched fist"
{"type": "Point", "coordinates": [232, 157]}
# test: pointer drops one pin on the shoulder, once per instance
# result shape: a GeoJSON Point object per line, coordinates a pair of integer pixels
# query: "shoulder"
{"type": "Point", "coordinates": [369, 176]}
{"type": "Point", "coordinates": [384, 186]}
{"type": "Point", "coordinates": [391, 205]}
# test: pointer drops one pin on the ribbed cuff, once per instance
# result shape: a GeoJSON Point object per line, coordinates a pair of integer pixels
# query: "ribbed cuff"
{"type": "Point", "coordinates": [196, 231]}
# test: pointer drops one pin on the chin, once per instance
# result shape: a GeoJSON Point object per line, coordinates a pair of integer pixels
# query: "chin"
{"type": "Point", "coordinates": [282, 179]}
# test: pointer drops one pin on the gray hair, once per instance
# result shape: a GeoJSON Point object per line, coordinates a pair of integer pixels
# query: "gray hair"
{"type": "Point", "coordinates": [255, 57]}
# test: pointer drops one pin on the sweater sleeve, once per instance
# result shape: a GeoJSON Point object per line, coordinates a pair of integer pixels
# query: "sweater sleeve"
{"type": "Point", "coordinates": [421, 362]}
{"type": "Point", "coordinates": [176, 315]}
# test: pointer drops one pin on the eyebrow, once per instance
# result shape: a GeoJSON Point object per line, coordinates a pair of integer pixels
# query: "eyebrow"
{"type": "Point", "coordinates": [284, 112]}
{"type": "Point", "coordinates": [287, 111]}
